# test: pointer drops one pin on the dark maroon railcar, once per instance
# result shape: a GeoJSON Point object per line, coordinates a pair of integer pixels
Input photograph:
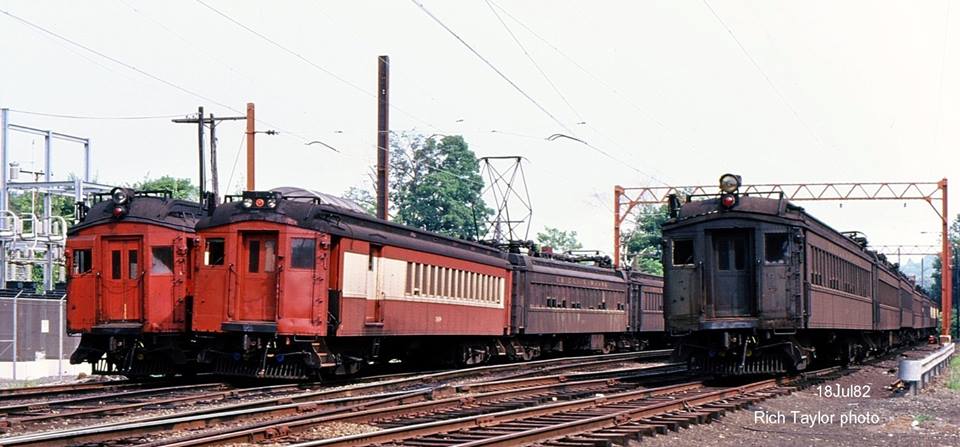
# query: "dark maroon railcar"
{"type": "Point", "coordinates": [757, 285]}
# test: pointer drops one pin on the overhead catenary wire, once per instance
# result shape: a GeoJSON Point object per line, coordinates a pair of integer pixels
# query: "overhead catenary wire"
{"type": "Point", "coordinates": [191, 43]}
{"type": "Point", "coordinates": [491, 65]}
{"type": "Point", "coordinates": [763, 73]}
{"type": "Point", "coordinates": [140, 71]}
{"type": "Point", "coordinates": [563, 97]}
{"type": "Point", "coordinates": [311, 63]}
{"type": "Point", "coordinates": [94, 117]}
{"type": "Point", "coordinates": [534, 62]}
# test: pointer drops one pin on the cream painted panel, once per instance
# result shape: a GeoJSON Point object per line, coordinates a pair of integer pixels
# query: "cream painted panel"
{"type": "Point", "coordinates": [356, 278]}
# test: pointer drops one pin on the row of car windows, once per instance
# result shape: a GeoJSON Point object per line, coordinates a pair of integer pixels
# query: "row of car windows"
{"type": "Point", "coordinates": [260, 255]}
{"type": "Point", "coordinates": [433, 280]}
{"type": "Point", "coordinates": [126, 262]}
{"type": "Point", "coordinates": [731, 252]}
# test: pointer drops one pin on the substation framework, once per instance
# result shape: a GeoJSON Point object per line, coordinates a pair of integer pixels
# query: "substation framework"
{"type": "Point", "coordinates": [626, 200]}
{"type": "Point", "coordinates": [28, 233]}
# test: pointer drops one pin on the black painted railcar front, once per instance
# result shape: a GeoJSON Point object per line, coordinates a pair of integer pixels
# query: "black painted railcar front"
{"type": "Point", "coordinates": [756, 285]}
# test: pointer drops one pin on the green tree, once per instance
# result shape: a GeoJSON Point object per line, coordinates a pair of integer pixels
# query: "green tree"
{"type": "Point", "coordinates": [362, 197]}
{"type": "Point", "coordinates": [181, 188]}
{"type": "Point", "coordinates": [436, 185]}
{"type": "Point", "coordinates": [644, 243]}
{"type": "Point", "coordinates": [559, 240]}
{"type": "Point", "coordinates": [954, 236]}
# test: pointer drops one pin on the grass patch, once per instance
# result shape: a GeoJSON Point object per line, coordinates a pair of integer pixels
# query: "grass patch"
{"type": "Point", "coordinates": [953, 381]}
{"type": "Point", "coordinates": [921, 418]}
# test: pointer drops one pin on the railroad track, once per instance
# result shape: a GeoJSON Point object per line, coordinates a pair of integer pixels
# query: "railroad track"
{"type": "Point", "coordinates": [616, 417]}
{"type": "Point", "coordinates": [312, 404]}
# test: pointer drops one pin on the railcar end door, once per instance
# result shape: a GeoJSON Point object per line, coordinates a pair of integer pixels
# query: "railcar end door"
{"type": "Point", "coordinates": [258, 277]}
{"type": "Point", "coordinates": [732, 288]}
{"type": "Point", "coordinates": [121, 281]}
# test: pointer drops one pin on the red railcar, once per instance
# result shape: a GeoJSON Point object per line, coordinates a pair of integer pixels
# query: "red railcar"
{"type": "Point", "coordinates": [291, 284]}
{"type": "Point", "coordinates": [129, 283]}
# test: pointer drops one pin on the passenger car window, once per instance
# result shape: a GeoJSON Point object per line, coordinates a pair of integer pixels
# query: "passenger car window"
{"type": "Point", "coordinates": [162, 260]}
{"type": "Point", "coordinates": [115, 262]}
{"type": "Point", "coordinates": [82, 261]}
{"type": "Point", "coordinates": [775, 248]}
{"type": "Point", "coordinates": [133, 262]}
{"type": "Point", "coordinates": [303, 255]}
{"type": "Point", "coordinates": [253, 254]}
{"type": "Point", "coordinates": [214, 251]}
{"type": "Point", "coordinates": [682, 252]}
{"type": "Point", "coordinates": [269, 255]}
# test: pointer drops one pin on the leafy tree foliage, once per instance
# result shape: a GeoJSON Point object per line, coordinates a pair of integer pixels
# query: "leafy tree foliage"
{"type": "Point", "coordinates": [362, 197]}
{"type": "Point", "coordinates": [644, 243]}
{"type": "Point", "coordinates": [182, 188]}
{"type": "Point", "coordinates": [559, 240]}
{"type": "Point", "coordinates": [954, 236]}
{"type": "Point", "coordinates": [436, 185]}
{"type": "Point", "coordinates": [29, 202]}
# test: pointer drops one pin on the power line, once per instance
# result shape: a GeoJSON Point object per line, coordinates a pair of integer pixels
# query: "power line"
{"type": "Point", "coordinates": [533, 61]}
{"type": "Point", "coordinates": [192, 43]}
{"type": "Point", "coordinates": [773, 86]}
{"type": "Point", "coordinates": [116, 61]}
{"type": "Point", "coordinates": [561, 95]}
{"type": "Point", "coordinates": [311, 63]}
{"type": "Point", "coordinates": [91, 117]}
{"type": "Point", "coordinates": [492, 67]}
{"type": "Point", "coordinates": [236, 158]}
{"type": "Point", "coordinates": [579, 66]}
{"type": "Point", "coordinates": [142, 72]}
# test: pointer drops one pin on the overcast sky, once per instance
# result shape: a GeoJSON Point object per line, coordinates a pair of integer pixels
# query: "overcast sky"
{"type": "Point", "coordinates": [810, 91]}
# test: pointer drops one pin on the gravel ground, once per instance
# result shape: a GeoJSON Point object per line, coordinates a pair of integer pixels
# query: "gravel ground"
{"type": "Point", "coordinates": [882, 418]}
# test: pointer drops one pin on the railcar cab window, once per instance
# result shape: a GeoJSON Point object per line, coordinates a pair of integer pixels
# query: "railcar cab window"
{"type": "Point", "coordinates": [682, 252]}
{"type": "Point", "coordinates": [775, 248]}
{"type": "Point", "coordinates": [213, 251]}
{"type": "Point", "coordinates": [82, 261]}
{"type": "Point", "coordinates": [303, 253]}
{"type": "Point", "coordinates": [161, 262]}
{"type": "Point", "coordinates": [115, 262]}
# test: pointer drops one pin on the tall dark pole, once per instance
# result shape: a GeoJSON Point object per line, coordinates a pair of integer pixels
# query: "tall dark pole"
{"type": "Point", "coordinates": [251, 138]}
{"type": "Point", "coordinates": [203, 166]}
{"type": "Point", "coordinates": [383, 137]}
{"type": "Point", "coordinates": [214, 175]}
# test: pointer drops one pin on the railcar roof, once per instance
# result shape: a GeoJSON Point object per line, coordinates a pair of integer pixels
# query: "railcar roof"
{"type": "Point", "coordinates": [168, 212]}
{"type": "Point", "coordinates": [343, 221]}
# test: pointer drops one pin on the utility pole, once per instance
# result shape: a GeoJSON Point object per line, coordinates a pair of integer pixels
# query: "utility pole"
{"type": "Point", "coordinates": [203, 167]}
{"type": "Point", "coordinates": [383, 137]}
{"type": "Point", "coordinates": [201, 121]}
{"type": "Point", "coordinates": [251, 133]}
{"type": "Point", "coordinates": [214, 175]}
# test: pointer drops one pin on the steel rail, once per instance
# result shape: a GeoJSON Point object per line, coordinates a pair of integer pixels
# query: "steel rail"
{"type": "Point", "coordinates": [386, 409]}
{"type": "Point", "coordinates": [33, 406]}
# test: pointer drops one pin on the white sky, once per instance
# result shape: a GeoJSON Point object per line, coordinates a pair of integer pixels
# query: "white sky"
{"type": "Point", "coordinates": [864, 91]}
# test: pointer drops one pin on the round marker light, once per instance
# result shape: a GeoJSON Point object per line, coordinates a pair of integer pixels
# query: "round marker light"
{"type": "Point", "coordinates": [247, 203]}
{"type": "Point", "coordinates": [259, 203]}
{"type": "Point", "coordinates": [272, 203]}
{"type": "Point", "coordinates": [729, 183]}
{"type": "Point", "coordinates": [728, 200]}
{"type": "Point", "coordinates": [119, 196]}
{"type": "Point", "coordinates": [119, 211]}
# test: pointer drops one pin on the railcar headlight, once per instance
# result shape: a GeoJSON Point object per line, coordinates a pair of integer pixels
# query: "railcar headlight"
{"type": "Point", "coordinates": [247, 203]}
{"type": "Point", "coordinates": [729, 183]}
{"type": "Point", "coordinates": [120, 196]}
{"type": "Point", "coordinates": [272, 203]}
